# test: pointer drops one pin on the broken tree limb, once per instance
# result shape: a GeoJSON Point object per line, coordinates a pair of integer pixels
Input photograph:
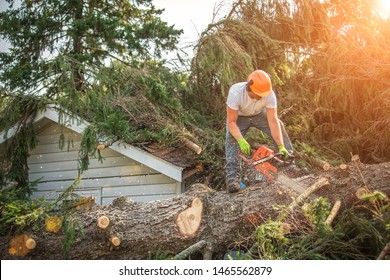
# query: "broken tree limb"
{"type": "Point", "coordinates": [189, 173]}
{"type": "Point", "coordinates": [320, 163]}
{"type": "Point", "coordinates": [190, 250]}
{"type": "Point", "coordinates": [317, 185]}
{"type": "Point", "coordinates": [192, 146]}
{"type": "Point", "coordinates": [355, 158]}
{"type": "Point", "coordinates": [207, 252]}
{"type": "Point", "coordinates": [384, 252]}
{"type": "Point", "coordinates": [333, 212]}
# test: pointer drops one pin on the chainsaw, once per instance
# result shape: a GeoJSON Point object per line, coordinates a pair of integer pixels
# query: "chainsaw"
{"type": "Point", "coordinates": [265, 161]}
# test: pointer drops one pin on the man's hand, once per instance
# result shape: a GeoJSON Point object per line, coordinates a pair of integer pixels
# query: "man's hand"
{"type": "Point", "coordinates": [284, 151]}
{"type": "Point", "coordinates": [244, 146]}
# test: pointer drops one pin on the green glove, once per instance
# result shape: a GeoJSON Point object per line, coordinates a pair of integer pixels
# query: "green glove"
{"type": "Point", "coordinates": [244, 146]}
{"type": "Point", "coordinates": [283, 150]}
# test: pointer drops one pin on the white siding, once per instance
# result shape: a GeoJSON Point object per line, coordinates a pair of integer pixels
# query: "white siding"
{"type": "Point", "coordinates": [116, 176]}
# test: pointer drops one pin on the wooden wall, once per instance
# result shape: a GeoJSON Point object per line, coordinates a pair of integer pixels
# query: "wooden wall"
{"type": "Point", "coordinates": [117, 176]}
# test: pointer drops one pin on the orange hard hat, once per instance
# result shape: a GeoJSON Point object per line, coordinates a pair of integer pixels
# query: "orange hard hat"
{"type": "Point", "coordinates": [259, 83]}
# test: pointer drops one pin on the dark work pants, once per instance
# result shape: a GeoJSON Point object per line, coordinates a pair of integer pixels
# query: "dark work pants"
{"type": "Point", "coordinates": [231, 146]}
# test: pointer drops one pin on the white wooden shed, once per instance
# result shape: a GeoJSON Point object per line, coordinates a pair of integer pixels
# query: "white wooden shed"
{"type": "Point", "coordinates": [125, 171]}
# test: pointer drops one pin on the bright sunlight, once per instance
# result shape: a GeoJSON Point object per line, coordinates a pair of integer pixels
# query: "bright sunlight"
{"type": "Point", "coordinates": [383, 7]}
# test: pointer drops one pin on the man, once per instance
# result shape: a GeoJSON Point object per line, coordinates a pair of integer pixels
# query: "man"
{"type": "Point", "coordinates": [251, 104]}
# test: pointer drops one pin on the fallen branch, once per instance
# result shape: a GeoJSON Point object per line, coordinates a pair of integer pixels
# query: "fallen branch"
{"type": "Point", "coordinates": [192, 146]}
{"type": "Point", "coordinates": [190, 250]}
{"type": "Point", "coordinates": [333, 212]}
{"type": "Point", "coordinates": [320, 163]}
{"type": "Point", "coordinates": [317, 185]}
{"type": "Point", "coordinates": [384, 252]}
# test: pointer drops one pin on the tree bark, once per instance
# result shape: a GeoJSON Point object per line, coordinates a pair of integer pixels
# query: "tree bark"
{"type": "Point", "coordinates": [222, 220]}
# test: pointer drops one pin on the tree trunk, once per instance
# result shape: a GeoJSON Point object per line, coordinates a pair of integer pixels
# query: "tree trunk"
{"type": "Point", "coordinates": [129, 230]}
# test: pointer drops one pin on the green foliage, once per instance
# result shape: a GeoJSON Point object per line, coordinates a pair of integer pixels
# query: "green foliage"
{"type": "Point", "coordinates": [72, 228]}
{"type": "Point", "coordinates": [239, 255]}
{"type": "Point", "coordinates": [17, 113]}
{"type": "Point", "coordinates": [316, 211]}
{"type": "Point", "coordinates": [79, 37]}
{"type": "Point", "coordinates": [23, 215]}
{"type": "Point", "coordinates": [87, 149]}
{"type": "Point", "coordinates": [19, 214]}
{"type": "Point", "coordinates": [270, 240]}
{"type": "Point", "coordinates": [356, 234]}
{"type": "Point", "coordinates": [160, 255]}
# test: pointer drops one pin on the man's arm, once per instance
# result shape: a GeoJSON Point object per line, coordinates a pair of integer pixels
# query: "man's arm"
{"type": "Point", "coordinates": [232, 116]}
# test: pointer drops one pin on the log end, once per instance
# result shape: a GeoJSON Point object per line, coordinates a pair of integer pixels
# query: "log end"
{"type": "Point", "coordinates": [360, 192]}
{"type": "Point", "coordinates": [326, 166]}
{"type": "Point", "coordinates": [355, 158]}
{"type": "Point", "coordinates": [189, 220]}
{"type": "Point", "coordinates": [115, 241]}
{"type": "Point", "coordinates": [21, 245]}
{"type": "Point", "coordinates": [30, 243]}
{"type": "Point", "coordinates": [103, 222]}
{"type": "Point", "coordinates": [343, 166]}
{"type": "Point", "coordinates": [100, 147]}
{"type": "Point", "coordinates": [192, 146]}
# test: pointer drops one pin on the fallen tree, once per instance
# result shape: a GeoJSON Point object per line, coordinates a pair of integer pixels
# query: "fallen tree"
{"type": "Point", "coordinates": [200, 220]}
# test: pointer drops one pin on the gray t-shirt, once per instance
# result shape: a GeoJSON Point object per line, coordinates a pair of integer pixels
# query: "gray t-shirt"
{"type": "Point", "coordinates": [238, 99]}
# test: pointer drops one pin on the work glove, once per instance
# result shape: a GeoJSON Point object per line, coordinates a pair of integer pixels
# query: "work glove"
{"type": "Point", "coordinates": [283, 150]}
{"type": "Point", "coordinates": [244, 146]}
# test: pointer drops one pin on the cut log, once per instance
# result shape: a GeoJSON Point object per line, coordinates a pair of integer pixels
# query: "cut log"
{"type": "Point", "coordinates": [21, 245]}
{"type": "Point", "coordinates": [192, 146]}
{"type": "Point", "coordinates": [355, 158]}
{"type": "Point", "coordinates": [115, 241]}
{"type": "Point", "coordinates": [191, 172]}
{"type": "Point", "coordinates": [225, 221]}
{"type": "Point", "coordinates": [188, 221]}
{"type": "Point", "coordinates": [360, 192]}
{"type": "Point", "coordinates": [170, 225]}
{"type": "Point", "coordinates": [103, 222]}
{"type": "Point", "coordinates": [343, 166]}
{"type": "Point", "coordinates": [30, 243]}
{"type": "Point", "coordinates": [320, 163]}
{"type": "Point", "coordinates": [100, 147]}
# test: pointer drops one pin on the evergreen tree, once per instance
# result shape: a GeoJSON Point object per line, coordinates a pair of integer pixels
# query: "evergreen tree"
{"type": "Point", "coordinates": [57, 45]}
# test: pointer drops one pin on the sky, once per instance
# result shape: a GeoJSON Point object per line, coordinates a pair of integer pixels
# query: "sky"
{"type": "Point", "coordinates": [192, 16]}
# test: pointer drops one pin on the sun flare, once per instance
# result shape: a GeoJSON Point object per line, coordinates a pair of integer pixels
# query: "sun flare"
{"type": "Point", "coordinates": [383, 7]}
